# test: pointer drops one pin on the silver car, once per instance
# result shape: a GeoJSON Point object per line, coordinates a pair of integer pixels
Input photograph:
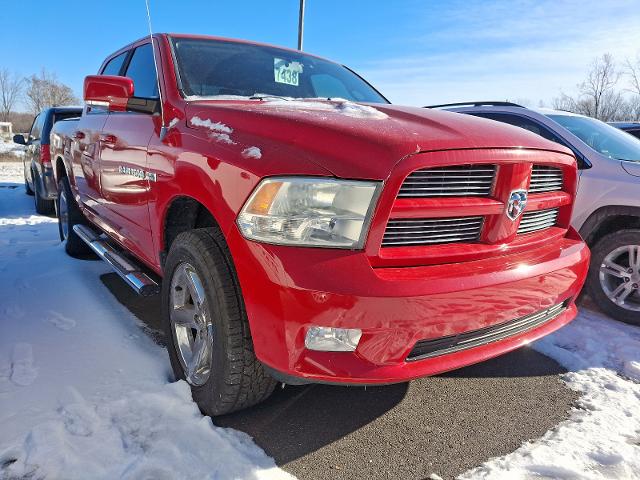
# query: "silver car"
{"type": "Point", "coordinates": [607, 207]}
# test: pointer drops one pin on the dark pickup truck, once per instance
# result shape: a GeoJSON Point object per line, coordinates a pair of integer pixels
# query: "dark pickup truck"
{"type": "Point", "coordinates": [305, 230]}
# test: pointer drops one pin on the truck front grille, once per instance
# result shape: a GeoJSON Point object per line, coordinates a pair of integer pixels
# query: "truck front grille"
{"type": "Point", "coordinates": [431, 231]}
{"type": "Point", "coordinates": [462, 341]}
{"type": "Point", "coordinates": [450, 181]}
{"type": "Point", "coordinates": [545, 179]}
{"type": "Point", "coordinates": [538, 220]}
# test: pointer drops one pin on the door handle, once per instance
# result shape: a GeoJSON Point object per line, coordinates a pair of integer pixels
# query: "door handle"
{"type": "Point", "coordinates": [108, 138]}
{"type": "Point", "coordinates": [78, 135]}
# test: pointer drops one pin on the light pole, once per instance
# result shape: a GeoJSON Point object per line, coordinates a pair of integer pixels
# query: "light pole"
{"type": "Point", "coordinates": [300, 24]}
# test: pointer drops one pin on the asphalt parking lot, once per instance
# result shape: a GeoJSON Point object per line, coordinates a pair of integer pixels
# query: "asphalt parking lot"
{"type": "Point", "coordinates": [444, 425]}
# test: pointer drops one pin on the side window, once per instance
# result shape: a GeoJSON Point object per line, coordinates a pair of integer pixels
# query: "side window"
{"type": "Point", "coordinates": [523, 122]}
{"type": "Point", "coordinates": [36, 128]}
{"type": "Point", "coordinates": [114, 65]}
{"type": "Point", "coordinates": [142, 71]}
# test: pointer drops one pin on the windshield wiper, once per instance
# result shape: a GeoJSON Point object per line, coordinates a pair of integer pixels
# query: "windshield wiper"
{"type": "Point", "coordinates": [263, 96]}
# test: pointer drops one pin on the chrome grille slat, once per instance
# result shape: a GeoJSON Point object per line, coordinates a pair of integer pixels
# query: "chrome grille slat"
{"type": "Point", "coordinates": [444, 180]}
{"type": "Point", "coordinates": [450, 181]}
{"type": "Point", "coordinates": [531, 217]}
{"type": "Point", "coordinates": [437, 220]}
{"type": "Point", "coordinates": [430, 231]}
{"type": "Point", "coordinates": [447, 186]}
{"type": "Point", "coordinates": [404, 243]}
{"type": "Point", "coordinates": [443, 194]}
{"type": "Point", "coordinates": [405, 230]}
{"type": "Point", "coordinates": [545, 178]}
{"type": "Point", "coordinates": [537, 220]}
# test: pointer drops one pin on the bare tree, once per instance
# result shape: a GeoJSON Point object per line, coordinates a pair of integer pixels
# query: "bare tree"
{"type": "Point", "coordinates": [633, 72]}
{"type": "Point", "coordinates": [599, 84]}
{"type": "Point", "coordinates": [11, 86]}
{"type": "Point", "coordinates": [598, 96]}
{"type": "Point", "coordinates": [45, 91]}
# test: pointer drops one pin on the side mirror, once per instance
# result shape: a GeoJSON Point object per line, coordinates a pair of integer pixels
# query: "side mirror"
{"type": "Point", "coordinates": [19, 139]}
{"type": "Point", "coordinates": [108, 90]}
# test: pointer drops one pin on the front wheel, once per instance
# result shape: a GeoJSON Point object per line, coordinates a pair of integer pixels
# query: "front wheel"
{"type": "Point", "coordinates": [208, 336]}
{"type": "Point", "coordinates": [614, 275]}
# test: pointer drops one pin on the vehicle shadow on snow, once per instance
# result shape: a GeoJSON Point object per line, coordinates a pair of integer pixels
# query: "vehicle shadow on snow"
{"type": "Point", "coordinates": [13, 213]}
{"type": "Point", "coordinates": [445, 424]}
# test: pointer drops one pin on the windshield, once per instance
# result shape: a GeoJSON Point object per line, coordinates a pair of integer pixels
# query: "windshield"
{"type": "Point", "coordinates": [210, 68]}
{"type": "Point", "coordinates": [603, 138]}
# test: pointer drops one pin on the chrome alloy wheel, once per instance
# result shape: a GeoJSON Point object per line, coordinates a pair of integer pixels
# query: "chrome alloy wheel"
{"type": "Point", "coordinates": [63, 214]}
{"type": "Point", "coordinates": [191, 324]}
{"type": "Point", "coordinates": [620, 276]}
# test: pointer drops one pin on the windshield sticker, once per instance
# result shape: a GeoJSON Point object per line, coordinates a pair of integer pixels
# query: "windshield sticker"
{"type": "Point", "coordinates": [286, 72]}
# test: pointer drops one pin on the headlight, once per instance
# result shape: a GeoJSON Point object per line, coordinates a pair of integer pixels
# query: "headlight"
{"type": "Point", "coordinates": [312, 212]}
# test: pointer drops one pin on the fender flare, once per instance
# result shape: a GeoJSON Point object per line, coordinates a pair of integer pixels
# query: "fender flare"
{"type": "Point", "coordinates": [596, 219]}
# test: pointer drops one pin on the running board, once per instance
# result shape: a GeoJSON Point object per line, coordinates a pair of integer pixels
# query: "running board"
{"type": "Point", "coordinates": [130, 273]}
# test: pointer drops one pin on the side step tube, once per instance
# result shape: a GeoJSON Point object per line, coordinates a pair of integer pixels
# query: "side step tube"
{"type": "Point", "coordinates": [135, 278]}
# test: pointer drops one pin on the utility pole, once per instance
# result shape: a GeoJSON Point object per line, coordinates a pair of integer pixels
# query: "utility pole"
{"type": "Point", "coordinates": [300, 24]}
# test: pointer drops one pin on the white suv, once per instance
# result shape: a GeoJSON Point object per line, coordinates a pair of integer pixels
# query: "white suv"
{"type": "Point", "coordinates": [607, 208]}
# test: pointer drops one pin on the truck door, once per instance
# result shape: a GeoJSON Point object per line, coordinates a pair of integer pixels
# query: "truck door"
{"type": "Point", "coordinates": [86, 143]}
{"type": "Point", "coordinates": [124, 179]}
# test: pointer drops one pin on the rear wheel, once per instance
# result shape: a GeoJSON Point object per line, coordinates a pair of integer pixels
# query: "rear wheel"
{"type": "Point", "coordinates": [614, 275]}
{"type": "Point", "coordinates": [43, 206]}
{"type": "Point", "coordinates": [209, 340]}
{"type": "Point", "coordinates": [27, 188]}
{"type": "Point", "coordinates": [69, 214]}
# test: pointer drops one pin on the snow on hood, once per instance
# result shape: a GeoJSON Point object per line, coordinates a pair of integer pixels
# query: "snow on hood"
{"type": "Point", "coordinates": [211, 125]}
{"type": "Point", "coordinates": [339, 105]}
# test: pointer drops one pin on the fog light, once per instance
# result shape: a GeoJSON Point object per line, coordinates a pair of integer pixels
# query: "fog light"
{"type": "Point", "coordinates": [328, 339]}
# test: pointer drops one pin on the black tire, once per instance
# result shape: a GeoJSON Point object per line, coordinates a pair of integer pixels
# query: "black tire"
{"type": "Point", "coordinates": [73, 245]}
{"type": "Point", "coordinates": [27, 188]}
{"type": "Point", "coordinates": [237, 379]}
{"type": "Point", "coordinates": [43, 206]}
{"type": "Point", "coordinates": [600, 250]}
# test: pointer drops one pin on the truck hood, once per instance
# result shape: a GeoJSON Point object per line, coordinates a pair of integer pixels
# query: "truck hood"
{"type": "Point", "coordinates": [351, 140]}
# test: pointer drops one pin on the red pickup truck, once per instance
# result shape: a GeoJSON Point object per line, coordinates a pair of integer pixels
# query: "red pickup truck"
{"type": "Point", "coordinates": [302, 229]}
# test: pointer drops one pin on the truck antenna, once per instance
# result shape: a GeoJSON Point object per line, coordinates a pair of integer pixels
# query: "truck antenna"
{"type": "Point", "coordinates": [163, 128]}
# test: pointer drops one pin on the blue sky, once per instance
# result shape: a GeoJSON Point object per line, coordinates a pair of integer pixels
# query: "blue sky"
{"type": "Point", "coordinates": [414, 51]}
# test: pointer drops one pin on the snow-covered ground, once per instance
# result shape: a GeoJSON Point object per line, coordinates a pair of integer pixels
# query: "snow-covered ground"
{"type": "Point", "coordinates": [84, 393]}
{"type": "Point", "coordinates": [10, 148]}
{"type": "Point", "coordinates": [601, 439]}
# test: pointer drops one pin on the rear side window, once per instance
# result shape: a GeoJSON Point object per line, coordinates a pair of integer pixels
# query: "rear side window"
{"type": "Point", "coordinates": [522, 122]}
{"type": "Point", "coordinates": [142, 71]}
{"type": "Point", "coordinates": [114, 66]}
{"type": "Point", "coordinates": [65, 115]}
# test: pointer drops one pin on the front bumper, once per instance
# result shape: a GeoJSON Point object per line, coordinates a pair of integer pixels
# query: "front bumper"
{"type": "Point", "coordinates": [288, 289]}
